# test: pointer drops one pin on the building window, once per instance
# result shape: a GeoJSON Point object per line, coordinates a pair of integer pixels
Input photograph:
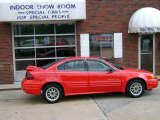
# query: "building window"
{"type": "Point", "coordinates": [101, 45]}
{"type": "Point", "coordinates": [39, 44]}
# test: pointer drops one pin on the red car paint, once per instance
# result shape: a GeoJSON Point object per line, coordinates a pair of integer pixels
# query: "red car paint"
{"type": "Point", "coordinates": [85, 82]}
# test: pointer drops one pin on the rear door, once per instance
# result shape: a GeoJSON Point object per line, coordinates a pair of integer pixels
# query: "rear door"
{"type": "Point", "coordinates": [74, 77]}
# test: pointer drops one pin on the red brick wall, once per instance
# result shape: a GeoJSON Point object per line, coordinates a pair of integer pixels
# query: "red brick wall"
{"type": "Point", "coordinates": [112, 16]}
{"type": "Point", "coordinates": [103, 16]}
{"type": "Point", "coordinates": [6, 59]}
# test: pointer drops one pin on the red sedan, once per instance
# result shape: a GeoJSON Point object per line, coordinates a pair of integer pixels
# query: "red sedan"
{"type": "Point", "coordinates": [85, 75]}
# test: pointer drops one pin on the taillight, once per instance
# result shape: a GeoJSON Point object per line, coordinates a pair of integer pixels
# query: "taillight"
{"type": "Point", "coordinates": [29, 76]}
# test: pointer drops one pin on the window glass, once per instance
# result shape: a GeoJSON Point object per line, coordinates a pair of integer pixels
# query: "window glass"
{"type": "Point", "coordinates": [65, 51]}
{"type": "Point", "coordinates": [23, 29]}
{"type": "Point", "coordinates": [24, 41]}
{"type": "Point", "coordinates": [24, 53]}
{"type": "Point", "coordinates": [95, 46]}
{"type": "Point", "coordinates": [41, 63]}
{"type": "Point", "coordinates": [63, 28]}
{"type": "Point", "coordinates": [72, 65]}
{"type": "Point", "coordinates": [101, 45]}
{"type": "Point", "coordinates": [61, 67]}
{"type": "Point", "coordinates": [97, 66]}
{"type": "Point", "coordinates": [21, 65]}
{"type": "Point", "coordinates": [45, 41]}
{"type": "Point", "coordinates": [44, 29]}
{"type": "Point", "coordinates": [65, 40]}
{"type": "Point", "coordinates": [41, 42]}
{"type": "Point", "coordinates": [45, 52]}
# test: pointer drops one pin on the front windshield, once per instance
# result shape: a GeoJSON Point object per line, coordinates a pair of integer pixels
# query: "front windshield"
{"type": "Point", "coordinates": [116, 66]}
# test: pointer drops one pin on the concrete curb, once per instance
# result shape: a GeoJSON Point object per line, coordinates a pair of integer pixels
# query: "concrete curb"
{"type": "Point", "coordinates": [15, 86]}
{"type": "Point", "coordinates": [7, 89]}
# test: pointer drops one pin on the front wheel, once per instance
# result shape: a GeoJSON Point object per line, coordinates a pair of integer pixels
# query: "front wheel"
{"type": "Point", "coordinates": [52, 93]}
{"type": "Point", "coordinates": [135, 88]}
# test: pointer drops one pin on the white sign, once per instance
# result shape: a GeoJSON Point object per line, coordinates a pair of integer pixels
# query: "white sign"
{"type": "Point", "coordinates": [84, 43]}
{"type": "Point", "coordinates": [118, 49]}
{"type": "Point", "coordinates": [55, 10]}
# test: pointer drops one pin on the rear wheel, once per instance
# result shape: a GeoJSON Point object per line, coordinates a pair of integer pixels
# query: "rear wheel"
{"type": "Point", "coordinates": [52, 93]}
{"type": "Point", "coordinates": [135, 88]}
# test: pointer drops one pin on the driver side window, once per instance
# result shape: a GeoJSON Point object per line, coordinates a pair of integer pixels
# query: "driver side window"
{"type": "Point", "coordinates": [94, 65]}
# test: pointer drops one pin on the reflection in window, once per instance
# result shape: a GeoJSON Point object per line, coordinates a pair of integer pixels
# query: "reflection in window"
{"type": "Point", "coordinates": [62, 28]}
{"type": "Point", "coordinates": [23, 29]}
{"type": "Point", "coordinates": [101, 45]}
{"type": "Point", "coordinates": [65, 40]}
{"type": "Point", "coordinates": [24, 53]}
{"type": "Point", "coordinates": [65, 51]}
{"type": "Point", "coordinates": [24, 41]}
{"type": "Point", "coordinates": [41, 63]}
{"type": "Point", "coordinates": [45, 41]}
{"type": "Point", "coordinates": [45, 52]}
{"type": "Point", "coordinates": [21, 65]}
{"type": "Point", "coordinates": [44, 29]}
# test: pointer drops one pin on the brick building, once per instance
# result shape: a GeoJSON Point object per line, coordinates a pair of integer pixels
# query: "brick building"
{"type": "Point", "coordinates": [125, 32]}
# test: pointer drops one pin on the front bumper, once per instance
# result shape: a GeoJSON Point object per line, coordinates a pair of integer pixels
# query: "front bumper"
{"type": "Point", "coordinates": [152, 83]}
{"type": "Point", "coordinates": [31, 87]}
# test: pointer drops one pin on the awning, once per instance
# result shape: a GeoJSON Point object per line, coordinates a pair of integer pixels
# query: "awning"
{"type": "Point", "coordinates": [42, 10]}
{"type": "Point", "coordinates": [145, 20]}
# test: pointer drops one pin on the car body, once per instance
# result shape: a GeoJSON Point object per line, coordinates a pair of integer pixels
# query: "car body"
{"type": "Point", "coordinates": [85, 75]}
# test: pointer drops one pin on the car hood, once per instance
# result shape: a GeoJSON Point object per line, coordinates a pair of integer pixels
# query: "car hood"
{"type": "Point", "coordinates": [136, 70]}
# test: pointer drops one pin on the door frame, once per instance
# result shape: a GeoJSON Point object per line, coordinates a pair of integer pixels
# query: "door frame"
{"type": "Point", "coordinates": [154, 51]}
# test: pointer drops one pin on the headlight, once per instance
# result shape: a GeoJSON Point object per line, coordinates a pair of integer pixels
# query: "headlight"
{"type": "Point", "coordinates": [152, 76]}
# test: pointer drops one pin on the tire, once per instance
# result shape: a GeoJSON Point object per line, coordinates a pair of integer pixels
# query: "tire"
{"type": "Point", "coordinates": [135, 88]}
{"type": "Point", "coordinates": [52, 93]}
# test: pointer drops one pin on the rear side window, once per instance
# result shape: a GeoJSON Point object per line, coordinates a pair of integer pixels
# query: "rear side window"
{"type": "Point", "coordinates": [77, 65]}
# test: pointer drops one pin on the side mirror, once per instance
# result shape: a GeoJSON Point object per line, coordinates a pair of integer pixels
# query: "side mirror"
{"type": "Point", "coordinates": [110, 70]}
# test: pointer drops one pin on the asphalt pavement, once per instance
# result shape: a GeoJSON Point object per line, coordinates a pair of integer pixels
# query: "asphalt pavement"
{"type": "Point", "coordinates": [16, 105]}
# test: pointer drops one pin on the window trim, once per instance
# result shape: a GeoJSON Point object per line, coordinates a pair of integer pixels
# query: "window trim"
{"type": "Point", "coordinates": [35, 47]}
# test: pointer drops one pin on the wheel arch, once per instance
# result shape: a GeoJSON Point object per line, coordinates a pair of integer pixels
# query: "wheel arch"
{"type": "Point", "coordinates": [56, 83]}
{"type": "Point", "coordinates": [141, 79]}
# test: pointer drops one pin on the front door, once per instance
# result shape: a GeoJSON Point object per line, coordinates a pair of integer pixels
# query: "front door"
{"type": "Point", "coordinates": [101, 79]}
{"type": "Point", "coordinates": [147, 52]}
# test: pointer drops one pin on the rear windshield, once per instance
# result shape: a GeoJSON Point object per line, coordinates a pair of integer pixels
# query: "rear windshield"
{"type": "Point", "coordinates": [51, 63]}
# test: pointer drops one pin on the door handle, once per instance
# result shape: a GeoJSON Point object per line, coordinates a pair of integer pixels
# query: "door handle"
{"type": "Point", "coordinates": [93, 76]}
{"type": "Point", "coordinates": [63, 76]}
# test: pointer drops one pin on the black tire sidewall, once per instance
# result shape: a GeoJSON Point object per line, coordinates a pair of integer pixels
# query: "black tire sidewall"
{"type": "Point", "coordinates": [128, 92]}
{"type": "Point", "coordinates": [49, 86]}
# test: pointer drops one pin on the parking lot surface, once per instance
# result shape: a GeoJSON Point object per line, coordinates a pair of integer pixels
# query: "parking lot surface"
{"type": "Point", "coordinates": [16, 105]}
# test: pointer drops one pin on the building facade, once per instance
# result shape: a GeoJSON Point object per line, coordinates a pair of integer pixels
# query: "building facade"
{"type": "Point", "coordinates": [38, 33]}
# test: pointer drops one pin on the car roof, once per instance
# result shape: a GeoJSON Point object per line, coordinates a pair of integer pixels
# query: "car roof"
{"type": "Point", "coordinates": [79, 57]}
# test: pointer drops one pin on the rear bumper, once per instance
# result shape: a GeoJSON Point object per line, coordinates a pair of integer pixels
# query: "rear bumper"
{"type": "Point", "coordinates": [152, 83]}
{"type": "Point", "coordinates": [31, 87]}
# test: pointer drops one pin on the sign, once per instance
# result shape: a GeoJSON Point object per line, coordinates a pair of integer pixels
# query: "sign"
{"type": "Point", "coordinates": [118, 49]}
{"type": "Point", "coordinates": [149, 29]}
{"type": "Point", "coordinates": [36, 11]}
{"type": "Point", "coordinates": [84, 43]}
{"type": "Point", "coordinates": [102, 38]}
